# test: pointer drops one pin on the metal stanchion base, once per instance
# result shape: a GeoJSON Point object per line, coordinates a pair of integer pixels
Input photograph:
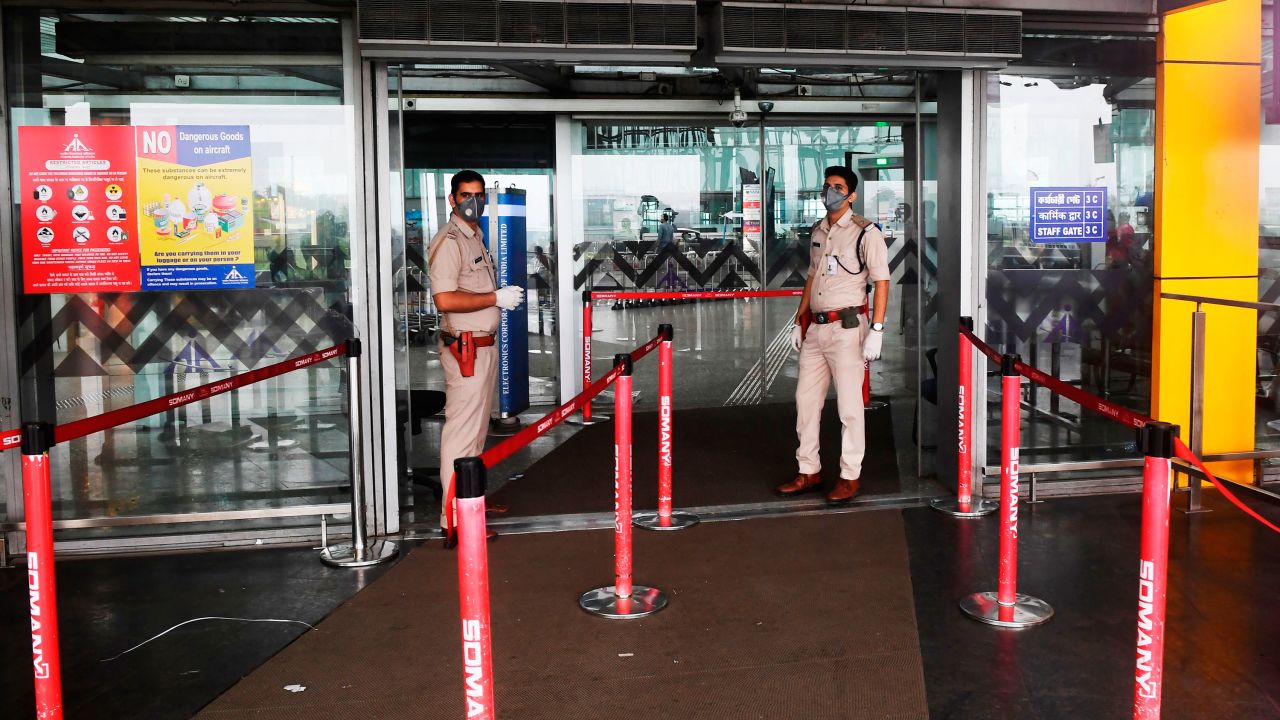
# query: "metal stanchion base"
{"type": "Point", "coordinates": [1025, 612]}
{"type": "Point", "coordinates": [503, 426]}
{"type": "Point", "coordinates": [603, 603]}
{"type": "Point", "coordinates": [977, 507]}
{"type": "Point", "coordinates": [595, 420]}
{"type": "Point", "coordinates": [375, 552]}
{"type": "Point", "coordinates": [652, 521]}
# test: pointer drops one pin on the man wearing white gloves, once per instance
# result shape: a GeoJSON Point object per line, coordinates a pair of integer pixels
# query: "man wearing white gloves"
{"type": "Point", "coordinates": [465, 290]}
{"type": "Point", "coordinates": [846, 253]}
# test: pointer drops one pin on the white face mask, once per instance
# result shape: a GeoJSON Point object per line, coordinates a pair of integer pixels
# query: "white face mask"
{"type": "Point", "coordinates": [833, 199]}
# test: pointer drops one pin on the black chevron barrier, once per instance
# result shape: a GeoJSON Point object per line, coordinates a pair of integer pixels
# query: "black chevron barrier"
{"type": "Point", "coordinates": [250, 326]}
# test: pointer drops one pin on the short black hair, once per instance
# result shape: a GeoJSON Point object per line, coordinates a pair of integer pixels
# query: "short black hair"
{"type": "Point", "coordinates": [843, 173]}
{"type": "Point", "coordinates": [464, 176]}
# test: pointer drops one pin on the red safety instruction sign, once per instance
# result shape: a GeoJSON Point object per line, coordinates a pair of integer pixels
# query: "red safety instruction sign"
{"type": "Point", "coordinates": [78, 200]}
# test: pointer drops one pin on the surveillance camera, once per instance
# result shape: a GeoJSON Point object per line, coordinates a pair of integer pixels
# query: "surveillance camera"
{"type": "Point", "coordinates": [737, 115]}
{"type": "Point", "coordinates": [765, 106]}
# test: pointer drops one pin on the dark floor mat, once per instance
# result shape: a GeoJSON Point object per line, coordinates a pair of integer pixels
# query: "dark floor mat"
{"type": "Point", "coordinates": [800, 617]}
{"type": "Point", "coordinates": [722, 456]}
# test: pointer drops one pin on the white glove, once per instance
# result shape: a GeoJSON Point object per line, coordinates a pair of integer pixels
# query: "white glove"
{"type": "Point", "coordinates": [871, 345]}
{"type": "Point", "coordinates": [509, 297]}
{"type": "Point", "coordinates": [796, 338]}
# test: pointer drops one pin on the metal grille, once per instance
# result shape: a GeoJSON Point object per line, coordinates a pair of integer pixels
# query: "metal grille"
{"type": "Point", "coordinates": [754, 28]}
{"type": "Point", "coordinates": [877, 31]}
{"type": "Point", "coordinates": [532, 23]}
{"type": "Point", "coordinates": [665, 25]}
{"type": "Point", "coordinates": [815, 28]}
{"type": "Point", "coordinates": [993, 34]}
{"type": "Point", "coordinates": [602, 24]}
{"type": "Point", "coordinates": [935, 32]}
{"type": "Point", "coordinates": [394, 19]}
{"type": "Point", "coordinates": [464, 21]}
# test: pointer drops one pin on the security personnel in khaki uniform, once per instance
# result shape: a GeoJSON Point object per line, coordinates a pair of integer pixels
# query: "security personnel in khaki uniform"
{"type": "Point", "coordinates": [465, 289]}
{"type": "Point", "coordinates": [846, 253]}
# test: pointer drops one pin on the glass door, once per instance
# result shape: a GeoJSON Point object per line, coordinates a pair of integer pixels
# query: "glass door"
{"type": "Point", "coordinates": [629, 174]}
{"type": "Point", "coordinates": [514, 155]}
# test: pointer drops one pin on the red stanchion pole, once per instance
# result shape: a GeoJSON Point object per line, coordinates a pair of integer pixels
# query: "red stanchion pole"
{"type": "Point", "coordinates": [622, 485]}
{"type": "Point", "coordinates": [1156, 440]}
{"type": "Point", "coordinates": [586, 351]}
{"type": "Point", "coordinates": [1010, 442]}
{"type": "Point", "coordinates": [623, 599]}
{"type": "Point", "coordinates": [587, 417]}
{"type": "Point", "coordinates": [38, 504]}
{"type": "Point", "coordinates": [1007, 607]}
{"type": "Point", "coordinates": [665, 518]}
{"type": "Point", "coordinates": [867, 402]}
{"type": "Point", "coordinates": [963, 505]}
{"type": "Point", "coordinates": [664, 424]}
{"type": "Point", "coordinates": [473, 588]}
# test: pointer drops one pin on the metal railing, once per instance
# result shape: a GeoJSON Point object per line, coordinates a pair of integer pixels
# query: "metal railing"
{"type": "Point", "coordinates": [1196, 429]}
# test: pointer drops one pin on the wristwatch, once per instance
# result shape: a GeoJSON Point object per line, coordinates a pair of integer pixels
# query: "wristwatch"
{"type": "Point", "coordinates": [877, 327]}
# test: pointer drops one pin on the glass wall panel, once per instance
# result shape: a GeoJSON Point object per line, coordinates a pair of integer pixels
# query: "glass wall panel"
{"type": "Point", "coordinates": [627, 175]}
{"type": "Point", "coordinates": [1268, 414]}
{"type": "Point", "coordinates": [277, 443]}
{"type": "Point", "coordinates": [1080, 310]}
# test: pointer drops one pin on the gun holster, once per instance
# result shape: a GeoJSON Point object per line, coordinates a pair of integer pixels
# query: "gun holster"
{"type": "Point", "coordinates": [805, 320]}
{"type": "Point", "coordinates": [463, 348]}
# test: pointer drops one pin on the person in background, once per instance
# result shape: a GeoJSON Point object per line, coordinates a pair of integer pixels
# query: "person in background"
{"type": "Point", "coordinates": [666, 232]}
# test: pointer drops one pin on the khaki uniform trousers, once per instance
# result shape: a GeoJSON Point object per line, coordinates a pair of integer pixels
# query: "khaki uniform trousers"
{"type": "Point", "coordinates": [830, 351]}
{"type": "Point", "coordinates": [467, 404]}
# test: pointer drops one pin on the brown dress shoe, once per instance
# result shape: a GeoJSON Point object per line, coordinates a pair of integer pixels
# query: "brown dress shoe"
{"type": "Point", "coordinates": [496, 509]}
{"type": "Point", "coordinates": [803, 482]}
{"type": "Point", "coordinates": [843, 492]}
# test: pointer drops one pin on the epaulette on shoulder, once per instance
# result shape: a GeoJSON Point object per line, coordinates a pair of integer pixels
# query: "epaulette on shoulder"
{"type": "Point", "coordinates": [860, 221]}
{"type": "Point", "coordinates": [437, 241]}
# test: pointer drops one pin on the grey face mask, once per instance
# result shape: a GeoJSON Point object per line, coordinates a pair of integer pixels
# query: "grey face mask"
{"type": "Point", "coordinates": [472, 208]}
{"type": "Point", "coordinates": [833, 199]}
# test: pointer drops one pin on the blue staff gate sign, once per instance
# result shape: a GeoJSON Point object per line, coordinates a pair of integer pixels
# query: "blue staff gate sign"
{"type": "Point", "coordinates": [1068, 214]}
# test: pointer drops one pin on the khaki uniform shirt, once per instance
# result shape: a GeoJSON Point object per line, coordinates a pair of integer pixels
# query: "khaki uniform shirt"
{"type": "Point", "coordinates": [839, 279]}
{"type": "Point", "coordinates": [458, 260]}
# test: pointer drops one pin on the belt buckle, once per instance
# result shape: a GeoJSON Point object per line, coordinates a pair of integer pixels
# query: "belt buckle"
{"type": "Point", "coordinates": [821, 318]}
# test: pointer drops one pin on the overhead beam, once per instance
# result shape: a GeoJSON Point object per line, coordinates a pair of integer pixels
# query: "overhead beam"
{"type": "Point", "coordinates": [93, 74]}
{"type": "Point", "coordinates": [550, 78]}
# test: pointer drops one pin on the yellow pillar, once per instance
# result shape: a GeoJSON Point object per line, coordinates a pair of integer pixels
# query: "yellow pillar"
{"type": "Point", "coordinates": [1208, 103]}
